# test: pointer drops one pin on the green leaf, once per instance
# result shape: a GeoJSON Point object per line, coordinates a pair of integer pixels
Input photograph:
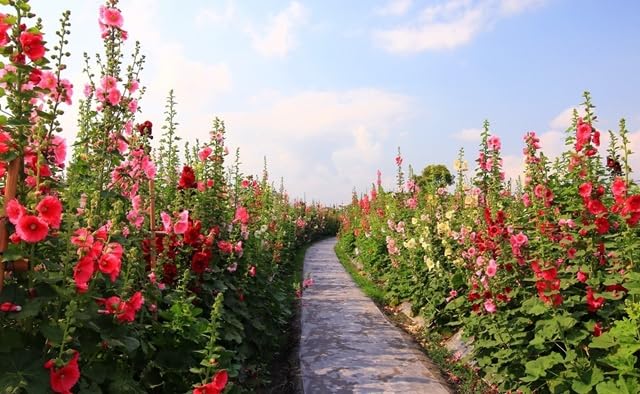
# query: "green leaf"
{"type": "Point", "coordinates": [538, 368]}
{"type": "Point", "coordinates": [52, 333]}
{"type": "Point", "coordinates": [604, 341]}
{"type": "Point", "coordinates": [534, 306]}
{"type": "Point", "coordinates": [585, 385]}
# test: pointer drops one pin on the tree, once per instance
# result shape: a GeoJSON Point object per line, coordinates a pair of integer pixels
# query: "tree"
{"type": "Point", "coordinates": [433, 177]}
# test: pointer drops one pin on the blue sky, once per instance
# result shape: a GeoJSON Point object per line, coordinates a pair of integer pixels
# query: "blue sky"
{"type": "Point", "coordinates": [329, 89]}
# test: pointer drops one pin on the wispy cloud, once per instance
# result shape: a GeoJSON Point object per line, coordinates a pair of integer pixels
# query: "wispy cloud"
{"type": "Point", "coordinates": [216, 16]}
{"type": "Point", "coordinates": [448, 25]}
{"type": "Point", "coordinates": [468, 135]}
{"type": "Point", "coordinates": [278, 37]}
{"type": "Point", "coordinates": [394, 8]}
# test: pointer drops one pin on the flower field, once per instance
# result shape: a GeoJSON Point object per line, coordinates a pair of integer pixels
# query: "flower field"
{"type": "Point", "coordinates": [128, 269]}
{"type": "Point", "coordinates": [542, 276]}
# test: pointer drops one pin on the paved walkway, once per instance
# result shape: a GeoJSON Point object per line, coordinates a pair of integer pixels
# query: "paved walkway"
{"type": "Point", "coordinates": [347, 344]}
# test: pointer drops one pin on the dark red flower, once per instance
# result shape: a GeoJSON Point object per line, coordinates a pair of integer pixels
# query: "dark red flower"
{"type": "Point", "coordinates": [597, 329]}
{"type": "Point", "coordinates": [169, 273]}
{"type": "Point", "coordinates": [187, 178]}
{"type": "Point", "coordinates": [200, 261]}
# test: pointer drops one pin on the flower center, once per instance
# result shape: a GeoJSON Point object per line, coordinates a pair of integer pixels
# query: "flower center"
{"type": "Point", "coordinates": [33, 226]}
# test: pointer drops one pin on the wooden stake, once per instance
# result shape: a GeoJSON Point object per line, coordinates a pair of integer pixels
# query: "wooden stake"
{"type": "Point", "coordinates": [10, 186]}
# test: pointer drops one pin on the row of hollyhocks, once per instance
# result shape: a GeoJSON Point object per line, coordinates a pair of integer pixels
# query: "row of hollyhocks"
{"type": "Point", "coordinates": [125, 273]}
{"type": "Point", "coordinates": [542, 275]}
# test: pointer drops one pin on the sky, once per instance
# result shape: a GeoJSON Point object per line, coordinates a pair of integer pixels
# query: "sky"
{"type": "Point", "coordinates": [328, 90]}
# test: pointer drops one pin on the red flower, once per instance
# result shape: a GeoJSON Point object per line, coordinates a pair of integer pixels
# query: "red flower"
{"type": "Point", "coordinates": [32, 45]}
{"type": "Point", "coordinates": [10, 307]}
{"type": "Point", "coordinates": [200, 261]}
{"type": "Point", "coordinates": [63, 379]}
{"type": "Point", "coordinates": [597, 329]}
{"type": "Point", "coordinates": [633, 204]}
{"type": "Point", "coordinates": [169, 273]}
{"type": "Point", "coordinates": [582, 277]}
{"type": "Point", "coordinates": [225, 247]}
{"type": "Point", "coordinates": [128, 310]}
{"type": "Point", "coordinates": [602, 225]}
{"type": "Point", "coordinates": [31, 229]}
{"type": "Point", "coordinates": [585, 190]}
{"type": "Point", "coordinates": [111, 260]}
{"type": "Point", "coordinates": [187, 178]}
{"type": "Point", "coordinates": [216, 386]}
{"type": "Point", "coordinates": [50, 210]}
{"type": "Point", "coordinates": [596, 207]}
{"type": "Point", "coordinates": [82, 273]}
{"type": "Point", "coordinates": [593, 304]}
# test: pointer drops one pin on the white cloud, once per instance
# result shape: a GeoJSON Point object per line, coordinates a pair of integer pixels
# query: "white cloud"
{"type": "Point", "coordinates": [395, 8]}
{"type": "Point", "coordinates": [278, 38]}
{"type": "Point", "coordinates": [448, 25]}
{"type": "Point", "coordinates": [316, 113]}
{"type": "Point", "coordinates": [323, 143]}
{"type": "Point", "coordinates": [224, 16]}
{"type": "Point", "coordinates": [468, 135]}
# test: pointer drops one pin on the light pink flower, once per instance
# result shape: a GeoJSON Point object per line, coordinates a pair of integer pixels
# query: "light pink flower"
{"type": "Point", "coordinates": [205, 153]}
{"type": "Point", "coordinates": [111, 17]}
{"type": "Point", "coordinates": [48, 80]}
{"type": "Point", "coordinates": [492, 268]}
{"type": "Point", "coordinates": [490, 306]}
{"type": "Point", "coordinates": [166, 221]}
{"type": "Point", "coordinates": [182, 224]}
{"type": "Point", "coordinates": [494, 142]}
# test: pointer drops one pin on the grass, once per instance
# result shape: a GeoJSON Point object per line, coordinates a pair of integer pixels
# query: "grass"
{"type": "Point", "coordinates": [462, 377]}
{"type": "Point", "coordinates": [369, 288]}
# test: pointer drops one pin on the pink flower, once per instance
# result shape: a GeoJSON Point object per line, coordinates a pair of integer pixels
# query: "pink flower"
{"type": "Point", "coordinates": [109, 82]}
{"type": "Point", "coordinates": [114, 96]}
{"type": "Point", "coordinates": [526, 200]}
{"type": "Point", "coordinates": [399, 160]}
{"type": "Point", "coordinates": [492, 268]}
{"type": "Point", "coordinates": [242, 215]}
{"type": "Point", "coordinates": [59, 150]}
{"type": "Point", "coordinates": [166, 221]}
{"type": "Point", "coordinates": [133, 105]}
{"type": "Point", "coordinates": [494, 142]}
{"type": "Point", "coordinates": [50, 211]}
{"type": "Point", "coordinates": [252, 271]}
{"type": "Point", "coordinates": [111, 17]}
{"type": "Point", "coordinates": [31, 229]}
{"type": "Point", "coordinates": [133, 86]}
{"type": "Point", "coordinates": [14, 211]}
{"type": "Point", "coordinates": [585, 190]}
{"type": "Point", "coordinates": [88, 89]}
{"type": "Point", "coordinates": [204, 154]}
{"type": "Point", "coordinates": [490, 306]}
{"type": "Point", "coordinates": [182, 224]}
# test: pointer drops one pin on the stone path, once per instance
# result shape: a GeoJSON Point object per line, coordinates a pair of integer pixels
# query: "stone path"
{"type": "Point", "coordinates": [347, 345]}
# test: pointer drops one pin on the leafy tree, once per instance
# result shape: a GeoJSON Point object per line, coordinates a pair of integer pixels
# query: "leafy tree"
{"type": "Point", "coordinates": [434, 176]}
